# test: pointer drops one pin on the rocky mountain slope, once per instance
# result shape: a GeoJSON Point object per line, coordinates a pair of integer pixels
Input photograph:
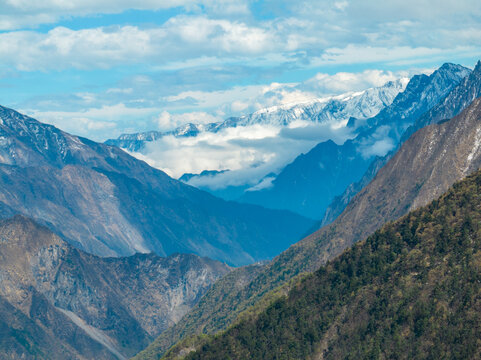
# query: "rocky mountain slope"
{"type": "Point", "coordinates": [108, 203]}
{"type": "Point", "coordinates": [337, 109]}
{"type": "Point", "coordinates": [311, 182]}
{"type": "Point", "coordinates": [426, 165]}
{"type": "Point", "coordinates": [57, 302]}
{"type": "Point", "coordinates": [411, 290]}
{"type": "Point", "coordinates": [454, 102]}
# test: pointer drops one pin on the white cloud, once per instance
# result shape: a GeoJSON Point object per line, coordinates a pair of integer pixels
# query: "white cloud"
{"type": "Point", "coordinates": [218, 151]}
{"type": "Point", "coordinates": [249, 153]}
{"type": "Point", "coordinates": [180, 38]}
{"type": "Point", "coordinates": [378, 144]}
{"type": "Point", "coordinates": [378, 148]}
{"type": "Point", "coordinates": [400, 55]}
{"type": "Point", "coordinates": [348, 81]}
{"type": "Point", "coordinates": [265, 183]}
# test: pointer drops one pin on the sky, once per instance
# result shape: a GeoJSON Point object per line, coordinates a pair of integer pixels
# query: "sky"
{"type": "Point", "coordinates": [105, 67]}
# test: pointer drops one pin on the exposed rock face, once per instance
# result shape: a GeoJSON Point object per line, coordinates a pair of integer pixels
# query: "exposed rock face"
{"type": "Point", "coordinates": [69, 304]}
{"type": "Point", "coordinates": [311, 182]}
{"type": "Point", "coordinates": [108, 203]}
{"type": "Point", "coordinates": [425, 167]}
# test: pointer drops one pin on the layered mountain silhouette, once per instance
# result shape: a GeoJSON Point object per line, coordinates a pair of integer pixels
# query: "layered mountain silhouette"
{"type": "Point", "coordinates": [108, 203]}
{"type": "Point", "coordinates": [57, 302]}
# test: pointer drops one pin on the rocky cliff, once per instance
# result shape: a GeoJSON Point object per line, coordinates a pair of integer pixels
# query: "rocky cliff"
{"type": "Point", "coordinates": [59, 302]}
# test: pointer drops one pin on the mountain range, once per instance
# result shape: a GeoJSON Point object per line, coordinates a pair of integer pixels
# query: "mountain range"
{"type": "Point", "coordinates": [76, 280]}
{"type": "Point", "coordinates": [425, 166]}
{"type": "Point", "coordinates": [105, 202]}
{"type": "Point", "coordinates": [311, 182]}
{"type": "Point", "coordinates": [334, 110]}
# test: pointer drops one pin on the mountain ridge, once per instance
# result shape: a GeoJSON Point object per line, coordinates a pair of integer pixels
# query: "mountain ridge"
{"type": "Point", "coordinates": [117, 205]}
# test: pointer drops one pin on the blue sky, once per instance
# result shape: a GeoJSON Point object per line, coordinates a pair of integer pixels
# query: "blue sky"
{"type": "Point", "coordinates": [104, 67]}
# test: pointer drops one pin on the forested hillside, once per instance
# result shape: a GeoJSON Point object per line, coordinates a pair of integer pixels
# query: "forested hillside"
{"type": "Point", "coordinates": [410, 291]}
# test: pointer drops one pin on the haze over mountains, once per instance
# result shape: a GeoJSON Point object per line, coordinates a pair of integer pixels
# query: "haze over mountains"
{"type": "Point", "coordinates": [334, 110]}
{"type": "Point", "coordinates": [310, 183]}
{"type": "Point", "coordinates": [374, 120]}
{"type": "Point", "coordinates": [239, 152]}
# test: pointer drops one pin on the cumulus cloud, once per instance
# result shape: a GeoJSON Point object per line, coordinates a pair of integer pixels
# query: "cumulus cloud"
{"type": "Point", "coordinates": [180, 38]}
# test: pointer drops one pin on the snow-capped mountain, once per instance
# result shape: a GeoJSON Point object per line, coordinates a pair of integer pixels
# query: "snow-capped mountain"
{"type": "Point", "coordinates": [311, 181]}
{"type": "Point", "coordinates": [335, 109]}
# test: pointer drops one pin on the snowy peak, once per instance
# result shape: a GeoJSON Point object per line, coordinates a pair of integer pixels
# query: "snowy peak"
{"type": "Point", "coordinates": [446, 74]}
{"type": "Point", "coordinates": [360, 105]}
{"type": "Point", "coordinates": [335, 109]}
{"type": "Point", "coordinates": [454, 102]}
